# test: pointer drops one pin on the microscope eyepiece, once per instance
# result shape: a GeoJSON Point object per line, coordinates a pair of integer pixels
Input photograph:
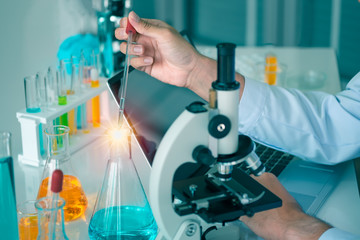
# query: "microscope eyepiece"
{"type": "Point", "coordinates": [226, 67]}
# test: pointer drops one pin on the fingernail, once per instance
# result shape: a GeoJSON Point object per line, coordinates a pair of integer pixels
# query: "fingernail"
{"type": "Point", "coordinates": [135, 17]}
{"type": "Point", "coordinates": [137, 49]}
{"type": "Point", "coordinates": [148, 60]}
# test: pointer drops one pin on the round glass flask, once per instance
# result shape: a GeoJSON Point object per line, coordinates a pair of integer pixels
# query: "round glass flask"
{"type": "Point", "coordinates": [58, 157]}
{"type": "Point", "coordinates": [121, 210]}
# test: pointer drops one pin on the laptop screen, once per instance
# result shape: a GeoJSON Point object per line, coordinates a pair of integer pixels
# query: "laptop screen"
{"type": "Point", "coordinates": [151, 106]}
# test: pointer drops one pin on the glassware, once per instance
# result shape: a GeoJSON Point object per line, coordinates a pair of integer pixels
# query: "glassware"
{"type": "Point", "coordinates": [95, 101]}
{"type": "Point", "coordinates": [58, 157]}
{"type": "Point", "coordinates": [62, 96]}
{"type": "Point", "coordinates": [77, 73]}
{"type": "Point", "coordinates": [8, 221]}
{"type": "Point", "coordinates": [66, 70]}
{"type": "Point", "coordinates": [32, 99]}
{"type": "Point", "coordinates": [270, 69]}
{"type": "Point", "coordinates": [121, 210]}
{"type": "Point", "coordinates": [105, 33]}
{"type": "Point", "coordinates": [46, 212]}
{"type": "Point", "coordinates": [28, 220]}
{"type": "Point", "coordinates": [51, 86]}
{"type": "Point", "coordinates": [90, 59]}
{"type": "Point", "coordinates": [41, 81]}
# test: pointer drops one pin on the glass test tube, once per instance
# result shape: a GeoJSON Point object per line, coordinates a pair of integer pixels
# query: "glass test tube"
{"type": "Point", "coordinates": [41, 80]}
{"type": "Point", "coordinates": [96, 100]}
{"type": "Point", "coordinates": [51, 86]}
{"type": "Point", "coordinates": [32, 99]}
{"type": "Point", "coordinates": [270, 69]}
{"type": "Point", "coordinates": [62, 97]}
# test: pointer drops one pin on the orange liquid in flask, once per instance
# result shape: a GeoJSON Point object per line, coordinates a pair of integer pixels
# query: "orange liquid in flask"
{"type": "Point", "coordinates": [72, 193]}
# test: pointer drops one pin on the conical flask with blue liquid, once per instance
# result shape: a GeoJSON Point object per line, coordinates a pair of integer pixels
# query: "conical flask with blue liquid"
{"type": "Point", "coordinates": [121, 210]}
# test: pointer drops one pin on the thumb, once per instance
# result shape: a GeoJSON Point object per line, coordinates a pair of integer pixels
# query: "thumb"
{"type": "Point", "coordinates": [144, 26]}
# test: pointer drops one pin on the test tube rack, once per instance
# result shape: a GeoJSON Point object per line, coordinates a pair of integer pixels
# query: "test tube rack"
{"type": "Point", "coordinates": [30, 122]}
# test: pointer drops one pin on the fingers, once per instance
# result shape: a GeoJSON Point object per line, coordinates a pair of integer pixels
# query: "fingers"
{"type": "Point", "coordinates": [138, 62]}
{"type": "Point", "coordinates": [147, 27]}
{"type": "Point", "coordinates": [271, 182]}
{"type": "Point", "coordinates": [135, 49]}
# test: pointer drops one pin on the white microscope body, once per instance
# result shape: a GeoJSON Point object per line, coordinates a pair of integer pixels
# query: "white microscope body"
{"type": "Point", "coordinates": [206, 135]}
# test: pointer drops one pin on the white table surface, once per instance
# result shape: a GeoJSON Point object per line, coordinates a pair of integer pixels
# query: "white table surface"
{"type": "Point", "coordinates": [342, 208]}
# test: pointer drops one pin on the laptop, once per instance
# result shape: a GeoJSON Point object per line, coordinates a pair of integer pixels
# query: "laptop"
{"type": "Point", "coordinates": [152, 106]}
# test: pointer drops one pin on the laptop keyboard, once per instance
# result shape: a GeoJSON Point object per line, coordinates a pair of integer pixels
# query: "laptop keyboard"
{"type": "Point", "coordinates": [275, 161]}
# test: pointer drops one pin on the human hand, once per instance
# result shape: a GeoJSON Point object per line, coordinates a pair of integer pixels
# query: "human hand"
{"type": "Point", "coordinates": [286, 222]}
{"type": "Point", "coordinates": [161, 51]}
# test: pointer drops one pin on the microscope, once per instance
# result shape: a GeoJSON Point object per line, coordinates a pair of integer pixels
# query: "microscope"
{"type": "Point", "coordinates": [205, 139]}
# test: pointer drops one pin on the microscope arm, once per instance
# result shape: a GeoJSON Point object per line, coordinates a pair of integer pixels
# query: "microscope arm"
{"type": "Point", "coordinates": [188, 130]}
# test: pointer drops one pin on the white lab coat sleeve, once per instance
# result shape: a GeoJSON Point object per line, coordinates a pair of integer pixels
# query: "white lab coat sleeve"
{"type": "Point", "coordinates": [336, 234]}
{"type": "Point", "coordinates": [315, 126]}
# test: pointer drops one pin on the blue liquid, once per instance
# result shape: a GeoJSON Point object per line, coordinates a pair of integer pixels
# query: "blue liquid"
{"type": "Point", "coordinates": [125, 223]}
{"type": "Point", "coordinates": [33, 110]}
{"type": "Point", "coordinates": [41, 140]}
{"type": "Point", "coordinates": [78, 117]}
{"type": "Point", "coordinates": [8, 219]}
{"type": "Point", "coordinates": [105, 33]}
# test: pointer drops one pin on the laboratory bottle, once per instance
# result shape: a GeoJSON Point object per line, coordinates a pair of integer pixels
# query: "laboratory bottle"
{"type": "Point", "coordinates": [58, 157]}
{"type": "Point", "coordinates": [8, 218]}
{"type": "Point", "coordinates": [51, 209]}
{"type": "Point", "coordinates": [121, 210]}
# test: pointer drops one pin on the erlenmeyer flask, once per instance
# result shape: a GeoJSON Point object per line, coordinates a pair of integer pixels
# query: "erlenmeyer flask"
{"type": "Point", "coordinates": [58, 157]}
{"type": "Point", "coordinates": [122, 210]}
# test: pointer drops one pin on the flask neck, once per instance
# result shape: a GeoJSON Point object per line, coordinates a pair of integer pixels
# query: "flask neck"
{"type": "Point", "coordinates": [57, 142]}
{"type": "Point", "coordinates": [5, 146]}
{"type": "Point", "coordinates": [120, 143]}
{"type": "Point", "coordinates": [51, 218]}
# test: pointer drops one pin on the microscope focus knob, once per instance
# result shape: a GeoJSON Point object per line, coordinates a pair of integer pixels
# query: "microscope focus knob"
{"type": "Point", "coordinates": [203, 155]}
{"type": "Point", "coordinates": [219, 126]}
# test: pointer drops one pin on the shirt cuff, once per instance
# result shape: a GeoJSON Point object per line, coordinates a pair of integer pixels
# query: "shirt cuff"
{"type": "Point", "coordinates": [336, 234]}
{"type": "Point", "coordinates": [251, 106]}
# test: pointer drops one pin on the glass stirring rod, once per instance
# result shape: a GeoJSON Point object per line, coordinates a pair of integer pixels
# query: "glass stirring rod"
{"type": "Point", "coordinates": [130, 30]}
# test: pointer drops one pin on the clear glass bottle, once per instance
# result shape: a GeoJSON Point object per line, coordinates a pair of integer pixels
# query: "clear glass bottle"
{"type": "Point", "coordinates": [58, 157]}
{"type": "Point", "coordinates": [121, 210]}
{"type": "Point", "coordinates": [51, 219]}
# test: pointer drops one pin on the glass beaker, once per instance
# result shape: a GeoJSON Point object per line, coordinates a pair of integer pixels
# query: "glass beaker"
{"type": "Point", "coordinates": [8, 220]}
{"type": "Point", "coordinates": [28, 220]}
{"type": "Point", "coordinates": [58, 157]}
{"type": "Point", "coordinates": [51, 218]}
{"type": "Point", "coordinates": [121, 210]}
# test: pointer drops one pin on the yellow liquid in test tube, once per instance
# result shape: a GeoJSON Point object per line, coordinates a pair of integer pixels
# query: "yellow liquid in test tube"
{"type": "Point", "coordinates": [73, 194]}
{"type": "Point", "coordinates": [96, 100]}
{"type": "Point", "coordinates": [71, 122]}
{"type": "Point", "coordinates": [270, 69]}
{"type": "Point", "coordinates": [28, 228]}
